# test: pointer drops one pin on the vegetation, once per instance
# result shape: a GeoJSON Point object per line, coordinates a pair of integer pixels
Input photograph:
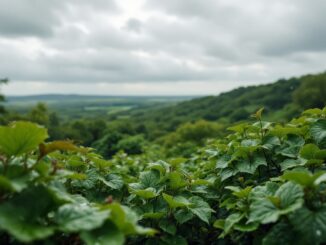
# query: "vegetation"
{"type": "Point", "coordinates": [199, 172]}
{"type": "Point", "coordinates": [264, 184]}
{"type": "Point", "coordinates": [2, 110]}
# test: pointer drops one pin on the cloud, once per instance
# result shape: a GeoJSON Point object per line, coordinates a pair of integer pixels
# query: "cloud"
{"type": "Point", "coordinates": [159, 43]}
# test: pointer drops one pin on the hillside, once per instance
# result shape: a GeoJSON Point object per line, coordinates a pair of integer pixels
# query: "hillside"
{"type": "Point", "coordinates": [277, 99]}
{"type": "Point", "coordinates": [89, 106]}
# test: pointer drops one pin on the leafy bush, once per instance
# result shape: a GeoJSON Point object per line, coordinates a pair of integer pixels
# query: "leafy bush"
{"type": "Point", "coordinates": [46, 194]}
{"type": "Point", "coordinates": [262, 184]}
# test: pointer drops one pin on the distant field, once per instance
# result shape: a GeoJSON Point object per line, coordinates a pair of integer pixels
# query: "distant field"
{"type": "Point", "coordinates": [81, 106]}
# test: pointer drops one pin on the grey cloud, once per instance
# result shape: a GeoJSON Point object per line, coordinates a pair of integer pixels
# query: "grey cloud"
{"type": "Point", "coordinates": [39, 17]}
{"type": "Point", "coordinates": [185, 40]}
{"type": "Point", "coordinates": [279, 27]}
{"type": "Point", "coordinates": [134, 25]}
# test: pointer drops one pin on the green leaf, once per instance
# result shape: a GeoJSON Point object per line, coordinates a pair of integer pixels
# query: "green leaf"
{"type": "Point", "coordinates": [247, 166]}
{"type": "Point", "coordinates": [153, 215]}
{"type": "Point", "coordinates": [227, 173]}
{"type": "Point", "coordinates": [200, 208]}
{"type": "Point", "coordinates": [246, 227]}
{"type": "Point", "coordinates": [311, 224]}
{"type": "Point", "coordinates": [176, 180]}
{"type": "Point", "coordinates": [183, 215]}
{"type": "Point", "coordinates": [291, 197]}
{"type": "Point", "coordinates": [219, 224]}
{"type": "Point", "coordinates": [270, 142]}
{"type": "Point", "coordinates": [113, 181]}
{"type": "Point", "coordinates": [315, 111]}
{"type": "Point", "coordinates": [223, 161]}
{"type": "Point", "coordinates": [16, 183]}
{"type": "Point", "coordinates": [231, 220]}
{"type": "Point", "coordinates": [264, 211]}
{"type": "Point", "coordinates": [311, 151]}
{"type": "Point", "coordinates": [288, 198]}
{"type": "Point", "coordinates": [303, 178]}
{"type": "Point", "coordinates": [25, 215]}
{"type": "Point", "coordinates": [291, 163]}
{"type": "Point", "coordinates": [59, 145]}
{"type": "Point", "coordinates": [126, 220]}
{"type": "Point", "coordinates": [161, 166]}
{"type": "Point", "coordinates": [168, 226]}
{"type": "Point", "coordinates": [146, 193]}
{"type": "Point", "coordinates": [174, 240]}
{"type": "Point", "coordinates": [258, 113]}
{"type": "Point", "coordinates": [238, 192]}
{"type": "Point", "coordinates": [280, 131]}
{"type": "Point", "coordinates": [21, 137]}
{"type": "Point", "coordinates": [176, 201]}
{"type": "Point", "coordinates": [149, 178]}
{"type": "Point", "coordinates": [281, 233]}
{"type": "Point", "coordinates": [77, 217]}
{"type": "Point", "coordinates": [108, 234]}
{"type": "Point", "coordinates": [318, 132]}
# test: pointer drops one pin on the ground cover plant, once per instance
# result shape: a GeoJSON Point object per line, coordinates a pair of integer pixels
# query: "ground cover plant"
{"type": "Point", "coordinates": [264, 183]}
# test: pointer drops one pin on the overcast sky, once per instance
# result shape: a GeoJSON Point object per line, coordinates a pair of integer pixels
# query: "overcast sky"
{"type": "Point", "coordinates": [157, 47]}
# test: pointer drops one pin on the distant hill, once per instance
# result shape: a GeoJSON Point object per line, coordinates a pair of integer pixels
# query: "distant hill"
{"type": "Point", "coordinates": [86, 106]}
{"type": "Point", "coordinates": [229, 107]}
{"type": "Point", "coordinates": [67, 98]}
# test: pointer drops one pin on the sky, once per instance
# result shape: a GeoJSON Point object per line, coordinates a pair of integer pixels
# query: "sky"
{"type": "Point", "coordinates": [157, 47]}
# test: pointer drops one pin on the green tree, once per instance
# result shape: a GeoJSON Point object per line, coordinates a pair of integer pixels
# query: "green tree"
{"type": "Point", "coordinates": [132, 145]}
{"type": "Point", "coordinates": [2, 98]}
{"type": "Point", "coordinates": [39, 114]}
{"type": "Point", "coordinates": [312, 92]}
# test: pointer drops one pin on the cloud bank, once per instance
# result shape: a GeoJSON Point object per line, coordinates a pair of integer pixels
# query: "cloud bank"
{"type": "Point", "coordinates": [155, 46]}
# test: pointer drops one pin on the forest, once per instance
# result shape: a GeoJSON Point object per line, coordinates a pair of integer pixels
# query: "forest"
{"type": "Point", "coordinates": [242, 167]}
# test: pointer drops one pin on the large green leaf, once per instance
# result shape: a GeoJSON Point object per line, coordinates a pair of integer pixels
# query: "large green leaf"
{"type": "Point", "coordinates": [318, 132]}
{"type": "Point", "coordinates": [16, 178]}
{"type": "Point", "coordinates": [176, 201]}
{"type": "Point", "coordinates": [288, 198]}
{"type": "Point", "coordinates": [303, 178]}
{"type": "Point", "coordinates": [113, 181]}
{"type": "Point", "coordinates": [311, 151]}
{"type": "Point", "coordinates": [76, 217]}
{"type": "Point", "coordinates": [173, 240]}
{"type": "Point", "coordinates": [126, 220]}
{"type": "Point", "coordinates": [176, 180]}
{"type": "Point", "coordinates": [108, 234]}
{"type": "Point", "coordinates": [231, 220]}
{"type": "Point", "coordinates": [21, 137]}
{"type": "Point", "coordinates": [311, 224]}
{"type": "Point", "coordinates": [145, 193]}
{"type": "Point", "coordinates": [281, 233]}
{"type": "Point", "coordinates": [168, 226]}
{"type": "Point", "coordinates": [200, 208]}
{"type": "Point", "coordinates": [250, 166]}
{"type": "Point", "coordinates": [149, 178]}
{"type": "Point", "coordinates": [183, 215]}
{"type": "Point", "coordinates": [25, 215]}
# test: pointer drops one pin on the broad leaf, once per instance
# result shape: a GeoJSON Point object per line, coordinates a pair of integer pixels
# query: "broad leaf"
{"type": "Point", "coordinates": [200, 208]}
{"type": "Point", "coordinates": [77, 217]}
{"type": "Point", "coordinates": [310, 224]}
{"type": "Point", "coordinates": [21, 137]}
{"type": "Point", "coordinates": [177, 201]}
{"type": "Point", "coordinates": [108, 234]}
{"type": "Point", "coordinates": [318, 132]}
{"type": "Point", "coordinates": [25, 215]}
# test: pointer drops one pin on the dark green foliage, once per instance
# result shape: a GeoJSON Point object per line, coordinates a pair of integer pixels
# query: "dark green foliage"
{"type": "Point", "coordinates": [311, 92]}
{"type": "Point", "coordinates": [262, 184]}
{"type": "Point", "coordinates": [2, 98]}
{"type": "Point", "coordinates": [42, 188]}
{"type": "Point", "coordinates": [228, 107]}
